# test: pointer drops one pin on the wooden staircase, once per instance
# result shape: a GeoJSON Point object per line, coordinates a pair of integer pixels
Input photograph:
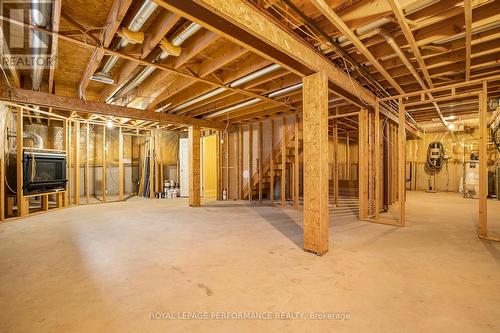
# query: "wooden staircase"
{"type": "Point", "coordinates": [277, 166]}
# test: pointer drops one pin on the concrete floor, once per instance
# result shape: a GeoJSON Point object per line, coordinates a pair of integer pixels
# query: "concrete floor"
{"type": "Point", "coordinates": [105, 268]}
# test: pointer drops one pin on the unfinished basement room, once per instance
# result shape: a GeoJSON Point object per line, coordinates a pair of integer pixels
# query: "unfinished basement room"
{"type": "Point", "coordinates": [250, 165]}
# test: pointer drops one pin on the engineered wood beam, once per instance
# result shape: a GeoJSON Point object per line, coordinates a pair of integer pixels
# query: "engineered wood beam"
{"type": "Point", "coordinates": [315, 154]}
{"type": "Point", "coordinates": [115, 16]}
{"type": "Point", "coordinates": [24, 96]}
{"type": "Point", "coordinates": [243, 24]}
{"type": "Point", "coordinates": [194, 166]}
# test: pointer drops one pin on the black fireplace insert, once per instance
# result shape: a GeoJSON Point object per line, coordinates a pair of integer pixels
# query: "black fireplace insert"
{"type": "Point", "coordinates": [43, 171]}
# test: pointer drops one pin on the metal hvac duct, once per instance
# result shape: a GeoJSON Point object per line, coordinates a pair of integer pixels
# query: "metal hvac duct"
{"type": "Point", "coordinates": [392, 43]}
{"type": "Point", "coordinates": [274, 94]}
{"type": "Point", "coordinates": [239, 82]}
{"type": "Point", "coordinates": [41, 16]}
{"type": "Point", "coordinates": [145, 11]}
{"type": "Point", "coordinates": [146, 71]}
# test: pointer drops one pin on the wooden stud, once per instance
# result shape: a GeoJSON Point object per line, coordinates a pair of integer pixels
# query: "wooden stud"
{"type": "Point", "coordinates": [401, 163]}
{"type": "Point", "coordinates": [296, 164]}
{"type": "Point", "coordinates": [315, 140]}
{"type": "Point", "coordinates": [335, 163]}
{"type": "Point", "coordinates": [240, 162]}
{"type": "Point", "coordinates": [283, 161]}
{"type": "Point", "coordinates": [22, 208]}
{"type": "Point", "coordinates": [227, 174]}
{"type": "Point", "coordinates": [348, 156]}
{"type": "Point", "coordinates": [151, 165]}
{"type": "Point", "coordinates": [121, 173]}
{"type": "Point", "coordinates": [483, 163]}
{"type": "Point", "coordinates": [65, 197]}
{"type": "Point", "coordinates": [87, 163]}
{"type": "Point", "coordinates": [103, 164]}
{"type": "Point", "coordinates": [259, 166]}
{"type": "Point", "coordinates": [377, 157]}
{"type": "Point", "coordinates": [70, 162]}
{"type": "Point", "coordinates": [271, 164]}
{"type": "Point", "coordinates": [76, 163]}
{"type": "Point", "coordinates": [468, 37]}
{"type": "Point", "coordinates": [3, 201]}
{"type": "Point", "coordinates": [363, 164]}
{"type": "Point", "coordinates": [194, 166]}
{"type": "Point", "coordinates": [250, 162]}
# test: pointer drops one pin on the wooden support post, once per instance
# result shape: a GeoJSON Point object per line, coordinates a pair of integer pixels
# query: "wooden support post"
{"type": "Point", "coordinates": [283, 161]}
{"type": "Point", "coordinates": [483, 163]}
{"type": "Point", "coordinates": [296, 164]}
{"type": "Point", "coordinates": [335, 163]}
{"type": "Point", "coordinates": [260, 161]}
{"type": "Point", "coordinates": [401, 162]}
{"type": "Point", "coordinates": [121, 173]}
{"type": "Point", "coordinates": [194, 166]}
{"type": "Point", "coordinates": [87, 164]}
{"type": "Point", "coordinates": [22, 204]}
{"type": "Point", "coordinates": [315, 140]}
{"type": "Point", "coordinates": [103, 164]}
{"type": "Point", "coordinates": [76, 163]}
{"type": "Point", "coordinates": [377, 157]}
{"type": "Point", "coordinates": [363, 164]}
{"type": "Point", "coordinates": [271, 165]}
{"type": "Point", "coordinates": [45, 202]}
{"type": "Point", "coordinates": [250, 162]}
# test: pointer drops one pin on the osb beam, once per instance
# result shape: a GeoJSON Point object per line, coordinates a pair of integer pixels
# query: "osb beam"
{"type": "Point", "coordinates": [24, 96]}
{"type": "Point", "coordinates": [245, 25]}
{"type": "Point", "coordinates": [113, 22]}
{"type": "Point", "coordinates": [315, 138]}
